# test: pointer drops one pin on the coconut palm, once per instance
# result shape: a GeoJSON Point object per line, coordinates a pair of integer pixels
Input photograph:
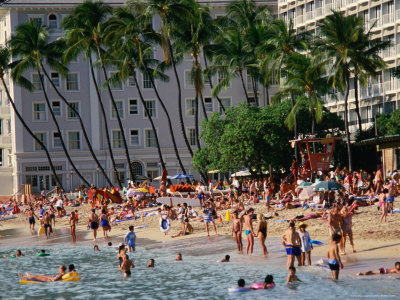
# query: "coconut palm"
{"type": "Point", "coordinates": [30, 44]}
{"type": "Point", "coordinates": [340, 37]}
{"type": "Point", "coordinates": [127, 32]}
{"type": "Point", "coordinates": [171, 13]}
{"type": "Point", "coordinates": [84, 30]}
{"type": "Point", "coordinates": [5, 57]}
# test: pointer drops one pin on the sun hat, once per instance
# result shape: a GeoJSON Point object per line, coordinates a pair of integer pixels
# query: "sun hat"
{"type": "Point", "coordinates": [302, 224]}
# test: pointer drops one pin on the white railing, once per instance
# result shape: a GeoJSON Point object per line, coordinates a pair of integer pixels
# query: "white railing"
{"type": "Point", "coordinates": [398, 14]}
{"type": "Point", "coordinates": [376, 22]}
{"type": "Point", "coordinates": [349, 2]}
{"type": "Point", "coordinates": [376, 89]}
{"type": "Point", "coordinates": [319, 12]}
{"type": "Point", "coordinates": [388, 18]}
{"type": "Point", "coordinates": [366, 92]}
{"type": "Point", "coordinates": [389, 52]}
{"type": "Point", "coordinates": [389, 86]}
{"type": "Point", "coordinates": [398, 49]}
{"type": "Point", "coordinates": [299, 19]}
{"type": "Point", "coordinates": [310, 15]}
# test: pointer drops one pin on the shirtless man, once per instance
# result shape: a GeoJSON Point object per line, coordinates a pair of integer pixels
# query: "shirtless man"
{"type": "Point", "coordinates": [335, 221]}
{"type": "Point", "coordinates": [126, 266]}
{"type": "Point", "coordinates": [248, 224]}
{"type": "Point", "coordinates": [253, 191]}
{"type": "Point", "coordinates": [45, 278]}
{"type": "Point", "coordinates": [94, 223]}
{"type": "Point", "coordinates": [72, 225]}
{"type": "Point", "coordinates": [395, 270]}
{"type": "Point", "coordinates": [237, 227]}
{"type": "Point", "coordinates": [292, 242]}
{"type": "Point", "coordinates": [47, 224]}
{"type": "Point", "coordinates": [31, 218]}
{"type": "Point", "coordinates": [390, 195]}
{"type": "Point", "coordinates": [333, 256]}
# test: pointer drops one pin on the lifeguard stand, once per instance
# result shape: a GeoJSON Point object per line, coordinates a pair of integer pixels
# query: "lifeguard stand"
{"type": "Point", "coordinates": [315, 161]}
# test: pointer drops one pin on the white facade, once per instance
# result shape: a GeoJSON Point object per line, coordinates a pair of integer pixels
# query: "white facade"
{"type": "Point", "coordinates": [23, 163]}
{"type": "Point", "coordinates": [382, 93]}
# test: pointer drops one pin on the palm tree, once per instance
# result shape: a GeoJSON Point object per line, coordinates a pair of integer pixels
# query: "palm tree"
{"type": "Point", "coordinates": [30, 44]}
{"type": "Point", "coordinates": [85, 27]}
{"type": "Point", "coordinates": [340, 37]}
{"type": "Point", "coordinates": [171, 13]}
{"type": "Point", "coordinates": [5, 58]}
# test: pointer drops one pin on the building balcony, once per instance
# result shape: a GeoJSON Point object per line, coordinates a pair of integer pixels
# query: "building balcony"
{"type": "Point", "coordinates": [365, 92]}
{"type": "Point", "coordinates": [310, 16]}
{"type": "Point", "coordinates": [5, 110]}
{"type": "Point", "coordinates": [390, 87]}
{"type": "Point", "coordinates": [351, 3]}
{"type": "Point", "coordinates": [299, 20]}
{"type": "Point", "coordinates": [5, 140]}
{"type": "Point", "coordinates": [387, 19]}
{"type": "Point", "coordinates": [398, 15]}
{"type": "Point", "coordinates": [375, 23]}
{"type": "Point", "coordinates": [319, 12]}
{"type": "Point", "coordinates": [389, 53]}
{"type": "Point", "coordinates": [376, 89]}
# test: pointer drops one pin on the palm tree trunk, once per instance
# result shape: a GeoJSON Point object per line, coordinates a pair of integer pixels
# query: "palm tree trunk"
{"type": "Point", "coordinates": [346, 121]}
{"type": "Point", "coordinates": [21, 119]}
{"type": "Point", "coordinates": [267, 94]}
{"type": "Point", "coordinates": [81, 124]}
{"type": "Point", "coordinates": [313, 127]}
{"type": "Point", "coordinates": [121, 128]}
{"type": "Point", "coordinates": [357, 104]}
{"type": "Point", "coordinates": [103, 112]}
{"type": "Point", "coordinates": [151, 121]}
{"type": "Point", "coordinates": [254, 85]}
{"type": "Point", "coordinates": [58, 130]}
{"type": "Point", "coordinates": [171, 130]}
{"type": "Point", "coordinates": [211, 84]}
{"type": "Point", "coordinates": [296, 154]}
{"type": "Point", "coordinates": [196, 120]}
{"type": "Point", "coordinates": [182, 124]}
{"type": "Point", "coordinates": [203, 106]}
{"type": "Point", "coordinates": [244, 86]}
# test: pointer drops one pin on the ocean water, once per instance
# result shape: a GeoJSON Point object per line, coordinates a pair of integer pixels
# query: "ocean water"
{"type": "Point", "coordinates": [198, 276]}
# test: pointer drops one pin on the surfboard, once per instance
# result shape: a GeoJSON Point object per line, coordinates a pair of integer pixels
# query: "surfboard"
{"type": "Point", "coordinates": [41, 231]}
{"type": "Point", "coordinates": [178, 200]}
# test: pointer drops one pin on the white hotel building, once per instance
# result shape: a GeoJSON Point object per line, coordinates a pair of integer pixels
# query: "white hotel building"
{"type": "Point", "coordinates": [22, 161]}
{"type": "Point", "coordinates": [382, 93]}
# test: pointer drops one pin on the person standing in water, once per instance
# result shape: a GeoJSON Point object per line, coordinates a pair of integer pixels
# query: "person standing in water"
{"type": "Point", "coordinates": [126, 266]}
{"type": "Point", "coordinates": [262, 232]}
{"type": "Point", "coordinates": [31, 219]}
{"type": "Point", "coordinates": [104, 222]}
{"type": "Point", "coordinates": [291, 241]}
{"type": "Point", "coordinates": [94, 223]}
{"type": "Point", "coordinates": [248, 224]}
{"type": "Point", "coordinates": [47, 224]}
{"type": "Point", "coordinates": [72, 226]}
{"type": "Point", "coordinates": [237, 228]}
{"type": "Point", "coordinates": [306, 245]}
{"type": "Point", "coordinates": [130, 239]}
{"type": "Point", "coordinates": [335, 264]}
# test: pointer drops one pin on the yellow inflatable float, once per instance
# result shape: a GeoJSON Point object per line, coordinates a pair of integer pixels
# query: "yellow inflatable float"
{"type": "Point", "coordinates": [72, 276]}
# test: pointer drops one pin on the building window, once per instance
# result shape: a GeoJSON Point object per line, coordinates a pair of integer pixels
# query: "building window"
{"type": "Point", "coordinates": [37, 85]}
{"type": "Point", "coordinates": [116, 84]}
{"type": "Point", "coordinates": [190, 107]}
{"type": "Point", "coordinates": [1, 126]}
{"type": "Point", "coordinates": [152, 169]}
{"type": "Point", "coordinates": [133, 107]}
{"type": "Point", "coordinates": [137, 168]}
{"type": "Point", "coordinates": [56, 107]}
{"type": "Point", "coordinates": [53, 22]}
{"type": "Point", "coordinates": [221, 76]}
{"type": "Point", "coordinates": [149, 138]}
{"type": "Point", "coordinates": [36, 21]}
{"type": "Point", "coordinates": [226, 102]}
{"type": "Point", "coordinates": [120, 108]}
{"type": "Point", "coordinates": [56, 140]}
{"type": "Point", "coordinates": [131, 81]}
{"type": "Point", "coordinates": [71, 114]}
{"type": "Point", "coordinates": [151, 107]}
{"type": "Point", "coordinates": [74, 140]}
{"type": "Point", "coordinates": [116, 139]}
{"type": "Point", "coordinates": [208, 103]}
{"type": "Point", "coordinates": [191, 136]}
{"type": "Point", "coordinates": [55, 78]}
{"type": "Point", "coordinates": [134, 137]}
{"type": "Point", "coordinates": [146, 81]}
{"type": "Point", "coordinates": [188, 80]}
{"type": "Point", "coordinates": [72, 82]}
{"type": "Point", "coordinates": [42, 136]}
{"type": "Point", "coordinates": [39, 112]}
{"type": "Point", "coordinates": [1, 157]}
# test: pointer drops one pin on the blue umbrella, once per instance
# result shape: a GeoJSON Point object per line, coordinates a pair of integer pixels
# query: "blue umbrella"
{"type": "Point", "coordinates": [181, 176]}
{"type": "Point", "coordinates": [327, 186]}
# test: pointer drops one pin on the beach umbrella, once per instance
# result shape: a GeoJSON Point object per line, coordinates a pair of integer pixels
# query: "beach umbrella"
{"type": "Point", "coordinates": [160, 177]}
{"type": "Point", "coordinates": [323, 186]}
{"type": "Point", "coordinates": [304, 184]}
{"type": "Point", "coordinates": [181, 176]}
{"type": "Point", "coordinates": [130, 193]}
{"type": "Point", "coordinates": [142, 190]}
{"type": "Point", "coordinates": [307, 193]}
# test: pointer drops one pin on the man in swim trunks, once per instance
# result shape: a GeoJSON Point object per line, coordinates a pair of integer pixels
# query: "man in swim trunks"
{"type": "Point", "coordinates": [292, 242]}
{"type": "Point", "coordinates": [126, 266]}
{"type": "Point", "coordinates": [31, 218]}
{"type": "Point", "coordinates": [390, 195]}
{"type": "Point", "coordinates": [94, 223]}
{"type": "Point", "coordinates": [333, 256]}
{"type": "Point", "coordinates": [45, 278]}
{"type": "Point", "coordinates": [335, 221]}
{"type": "Point", "coordinates": [395, 270]}
{"type": "Point", "coordinates": [72, 226]}
{"type": "Point", "coordinates": [130, 239]}
{"type": "Point", "coordinates": [248, 225]}
{"type": "Point", "coordinates": [46, 223]}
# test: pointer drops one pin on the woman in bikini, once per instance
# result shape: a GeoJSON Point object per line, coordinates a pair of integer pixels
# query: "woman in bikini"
{"type": "Point", "coordinates": [262, 232]}
{"type": "Point", "coordinates": [237, 227]}
{"type": "Point", "coordinates": [347, 229]}
{"type": "Point", "coordinates": [104, 222]}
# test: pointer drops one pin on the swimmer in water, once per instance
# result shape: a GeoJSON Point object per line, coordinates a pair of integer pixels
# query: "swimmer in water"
{"type": "Point", "coordinates": [269, 282]}
{"type": "Point", "coordinates": [292, 275]}
{"type": "Point", "coordinates": [45, 278]}
{"type": "Point", "coordinates": [96, 248]}
{"type": "Point", "coordinates": [151, 263]}
{"type": "Point", "coordinates": [226, 259]}
{"type": "Point", "coordinates": [178, 257]}
{"type": "Point", "coordinates": [126, 266]}
{"type": "Point", "coordinates": [383, 271]}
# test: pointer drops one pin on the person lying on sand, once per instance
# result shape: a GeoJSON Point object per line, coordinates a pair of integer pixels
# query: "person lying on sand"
{"type": "Point", "coordinates": [395, 270]}
{"type": "Point", "coordinates": [45, 278]}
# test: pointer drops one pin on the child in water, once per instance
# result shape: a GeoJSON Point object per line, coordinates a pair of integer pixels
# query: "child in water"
{"type": "Point", "coordinates": [269, 282]}
{"type": "Point", "coordinates": [292, 275]}
{"type": "Point", "coordinates": [151, 263]}
{"type": "Point", "coordinates": [333, 256]}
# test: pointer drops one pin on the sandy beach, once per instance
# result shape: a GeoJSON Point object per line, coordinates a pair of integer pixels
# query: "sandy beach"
{"type": "Point", "coordinates": [372, 240]}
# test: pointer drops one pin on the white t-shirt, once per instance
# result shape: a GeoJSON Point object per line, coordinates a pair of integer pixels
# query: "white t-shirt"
{"type": "Point", "coordinates": [59, 203]}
